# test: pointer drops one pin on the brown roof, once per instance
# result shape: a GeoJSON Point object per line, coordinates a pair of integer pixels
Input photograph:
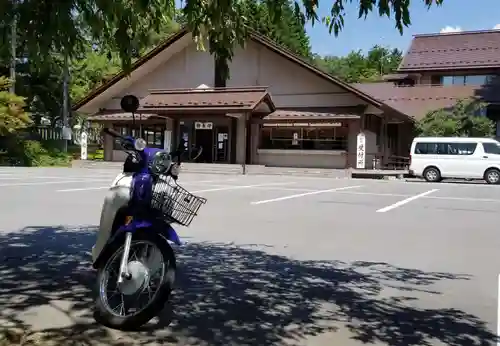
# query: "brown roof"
{"type": "Point", "coordinates": [472, 49]}
{"type": "Point", "coordinates": [120, 117]}
{"type": "Point", "coordinates": [253, 36]}
{"type": "Point", "coordinates": [418, 100]}
{"type": "Point", "coordinates": [207, 100]}
{"type": "Point", "coordinates": [285, 114]}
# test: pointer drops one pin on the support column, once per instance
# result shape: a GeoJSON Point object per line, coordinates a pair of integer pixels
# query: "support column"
{"type": "Point", "coordinates": [175, 133]}
{"type": "Point", "coordinates": [248, 139]}
{"type": "Point", "coordinates": [233, 137]}
{"type": "Point", "coordinates": [254, 141]}
{"type": "Point", "coordinates": [241, 139]}
{"type": "Point", "coordinates": [108, 145]}
{"type": "Point", "coordinates": [383, 139]}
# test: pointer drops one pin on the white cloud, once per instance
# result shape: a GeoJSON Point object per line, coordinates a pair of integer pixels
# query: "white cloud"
{"type": "Point", "coordinates": [496, 27]}
{"type": "Point", "coordinates": [448, 29]}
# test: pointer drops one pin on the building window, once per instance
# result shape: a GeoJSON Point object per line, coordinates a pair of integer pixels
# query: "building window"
{"type": "Point", "coordinates": [153, 135]}
{"type": "Point", "coordinates": [124, 131]}
{"type": "Point", "coordinates": [436, 80]}
{"type": "Point", "coordinates": [467, 80]}
{"type": "Point", "coordinates": [304, 138]}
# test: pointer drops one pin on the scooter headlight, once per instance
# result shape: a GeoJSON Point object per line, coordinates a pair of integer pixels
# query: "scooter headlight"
{"type": "Point", "coordinates": [140, 144]}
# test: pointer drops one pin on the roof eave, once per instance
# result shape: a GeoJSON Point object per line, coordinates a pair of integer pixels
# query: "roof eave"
{"type": "Point", "coordinates": [445, 68]}
{"type": "Point", "coordinates": [122, 74]}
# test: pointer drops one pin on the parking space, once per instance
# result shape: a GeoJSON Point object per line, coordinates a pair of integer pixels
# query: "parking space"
{"type": "Point", "coordinates": [384, 251]}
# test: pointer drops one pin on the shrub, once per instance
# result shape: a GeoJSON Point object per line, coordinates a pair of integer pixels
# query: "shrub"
{"type": "Point", "coordinates": [33, 153]}
{"type": "Point", "coordinates": [461, 120]}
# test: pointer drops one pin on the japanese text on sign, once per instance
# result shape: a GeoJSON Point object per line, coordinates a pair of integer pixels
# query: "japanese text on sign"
{"type": "Point", "coordinates": [361, 151]}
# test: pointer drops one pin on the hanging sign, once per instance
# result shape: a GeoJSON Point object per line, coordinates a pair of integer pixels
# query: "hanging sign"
{"type": "Point", "coordinates": [66, 133]}
{"type": "Point", "coordinates": [203, 125]}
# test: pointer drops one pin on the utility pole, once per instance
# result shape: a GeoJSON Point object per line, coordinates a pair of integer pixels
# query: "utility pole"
{"type": "Point", "coordinates": [13, 44]}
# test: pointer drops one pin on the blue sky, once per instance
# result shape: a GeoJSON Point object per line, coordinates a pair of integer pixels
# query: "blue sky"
{"type": "Point", "coordinates": [363, 34]}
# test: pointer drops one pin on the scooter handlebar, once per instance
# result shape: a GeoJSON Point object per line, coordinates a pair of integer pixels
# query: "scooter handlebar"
{"type": "Point", "coordinates": [126, 142]}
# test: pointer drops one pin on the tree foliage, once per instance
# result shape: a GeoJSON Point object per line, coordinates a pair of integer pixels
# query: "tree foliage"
{"type": "Point", "coordinates": [12, 115]}
{"type": "Point", "coordinates": [46, 26]}
{"type": "Point", "coordinates": [102, 37]}
{"type": "Point", "coordinates": [288, 32]}
{"type": "Point", "coordinates": [357, 67]}
{"type": "Point", "coordinates": [464, 119]}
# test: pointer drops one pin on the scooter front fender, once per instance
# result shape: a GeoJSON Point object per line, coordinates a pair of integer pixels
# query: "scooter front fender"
{"type": "Point", "coordinates": [167, 232]}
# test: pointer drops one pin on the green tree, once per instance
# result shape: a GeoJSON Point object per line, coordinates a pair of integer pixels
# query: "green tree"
{"type": "Point", "coordinates": [91, 71]}
{"type": "Point", "coordinates": [13, 118]}
{"type": "Point", "coordinates": [464, 119]}
{"type": "Point", "coordinates": [383, 59]}
{"type": "Point", "coordinates": [357, 67]}
{"type": "Point", "coordinates": [289, 31]}
{"type": "Point", "coordinates": [46, 26]}
{"type": "Point", "coordinates": [40, 81]}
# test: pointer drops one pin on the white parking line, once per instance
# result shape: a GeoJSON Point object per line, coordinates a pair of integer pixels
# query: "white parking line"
{"type": "Point", "coordinates": [465, 199]}
{"type": "Point", "coordinates": [304, 194]}
{"type": "Point", "coordinates": [52, 182]}
{"type": "Point", "coordinates": [236, 187]}
{"type": "Point", "coordinates": [404, 201]}
{"type": "Point", "coordinates": [27, 177]}
{"type": "Point", "coordinates": [284, 189]}
{"type": "Point", "coordinates": [194, 182]}
{"type": "Point", "coordinates": [85, 189]}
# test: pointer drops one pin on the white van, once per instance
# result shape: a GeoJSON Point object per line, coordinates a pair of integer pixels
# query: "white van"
{"type": "Point", "coordinates": [437, 158]}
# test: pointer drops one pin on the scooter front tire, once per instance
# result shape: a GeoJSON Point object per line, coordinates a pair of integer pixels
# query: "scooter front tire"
{"type": "Point", "coordinates": [105, 317]}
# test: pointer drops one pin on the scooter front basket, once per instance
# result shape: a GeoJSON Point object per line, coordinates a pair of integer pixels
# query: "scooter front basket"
{"type": "Point", "coordinates": [176, 204]}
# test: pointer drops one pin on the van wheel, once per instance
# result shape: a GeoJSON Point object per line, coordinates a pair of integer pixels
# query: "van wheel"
{"type": "Point", "coordinates": [492, 176]}
{"type": "Point", "coordinates": [432, 175]}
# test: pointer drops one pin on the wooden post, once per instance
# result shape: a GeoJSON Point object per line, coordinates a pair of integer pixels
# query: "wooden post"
{"type": "Point", "coordinates": [384, 139]}
{"type": "Point", "coordinates": [245, 143]}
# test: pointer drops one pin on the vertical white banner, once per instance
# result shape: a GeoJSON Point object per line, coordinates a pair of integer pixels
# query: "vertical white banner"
{"type": "Point", "coordinates": [167, 142]}
{"type": "Point", "coordinates": [83, 146]}
{"type": "Point", "coordinates": [361, 151]}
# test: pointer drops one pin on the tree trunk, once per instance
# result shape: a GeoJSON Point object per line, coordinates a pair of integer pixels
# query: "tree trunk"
{"type": "Point", "coordinates": [219, 78]}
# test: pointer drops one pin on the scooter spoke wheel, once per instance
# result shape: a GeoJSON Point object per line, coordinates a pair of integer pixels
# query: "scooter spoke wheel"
{"type": "Point", "coordinates": [136, 292]}
{"type": "Point", "coordinates": [142, 294]}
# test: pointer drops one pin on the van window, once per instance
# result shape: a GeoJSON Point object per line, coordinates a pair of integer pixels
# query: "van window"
{"type": "Point", "coordinates": [491, 148]}
{"type": "Point", "coordinates": [445, 148]}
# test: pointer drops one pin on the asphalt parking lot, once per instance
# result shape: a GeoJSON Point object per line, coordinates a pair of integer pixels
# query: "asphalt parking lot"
{"type": "Point", "coordinates": [270, 260]}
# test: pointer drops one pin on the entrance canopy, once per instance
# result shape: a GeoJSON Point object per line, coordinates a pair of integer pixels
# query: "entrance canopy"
{"type": "Point", "coordinates": [203, 101]}
{"type": "Point", "coordinates": [313, 116]}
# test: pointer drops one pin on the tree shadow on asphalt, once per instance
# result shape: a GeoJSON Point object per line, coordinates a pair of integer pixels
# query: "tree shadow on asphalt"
{"type": "Point", "coordinates": [228, 295]}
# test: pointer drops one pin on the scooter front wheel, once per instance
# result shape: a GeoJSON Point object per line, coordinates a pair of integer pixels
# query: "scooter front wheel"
{"type": "Point", "coordinates": [141, 296]}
